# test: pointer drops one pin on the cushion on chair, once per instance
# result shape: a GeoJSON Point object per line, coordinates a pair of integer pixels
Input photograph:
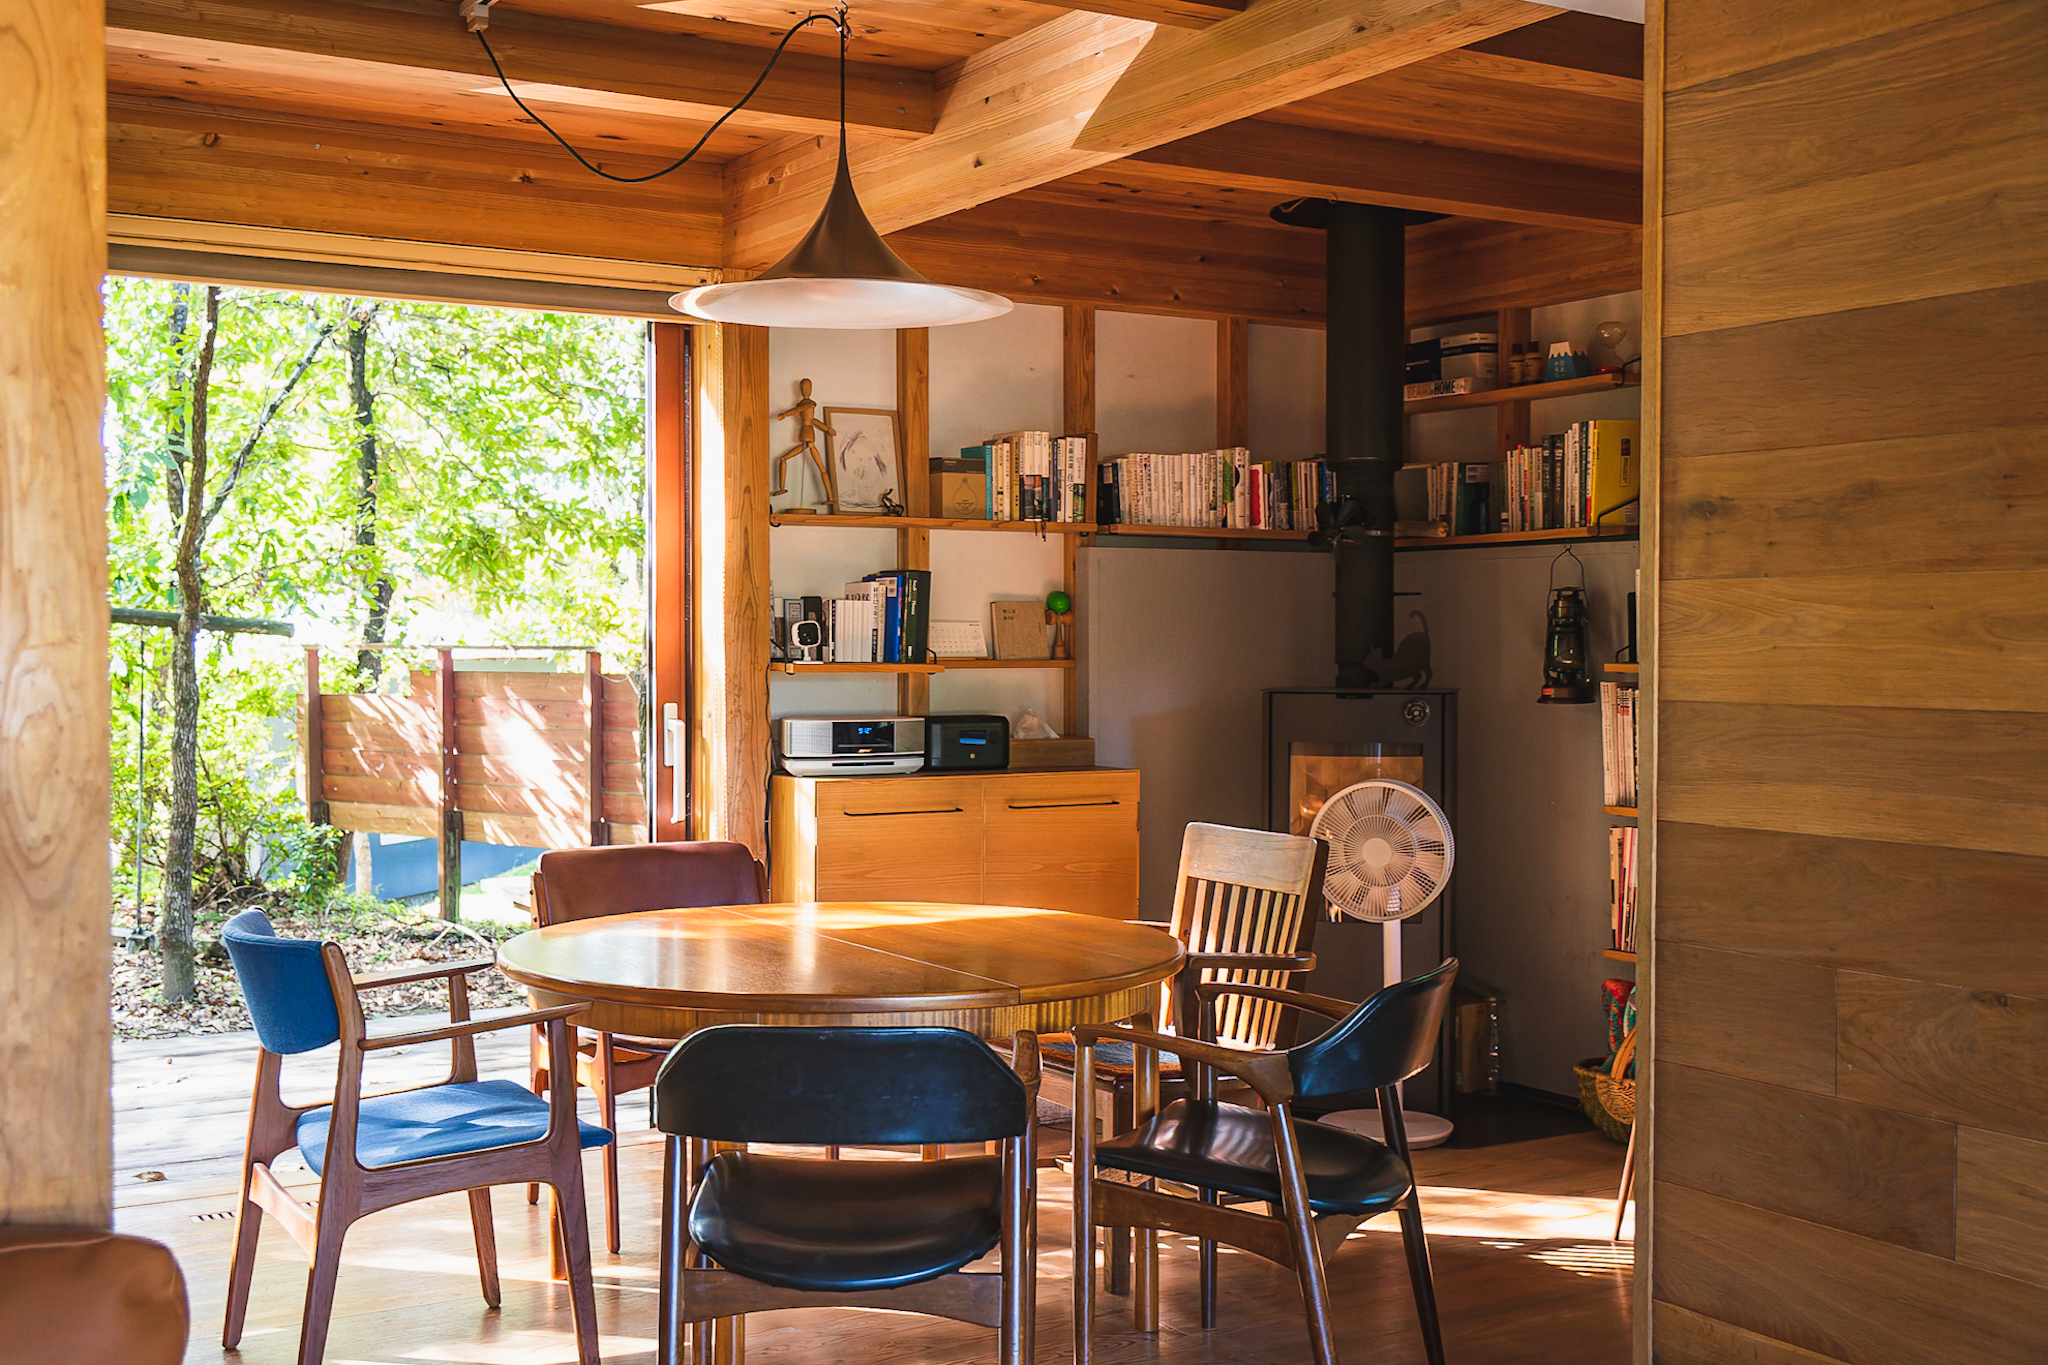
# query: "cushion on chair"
{"type": "Point", "coordinates": [74, 1295]}
{"type": "Point", "coordinates": [284, 983]}
{"type": "Point", "coordinates": [847, 1225]}
{"type": "Point", "coordinates": [440, 1120]}
{"type": "Point", "coordinates": [1230, 1148]}
{"type": "Point", "coordinates": [1114, 1058]}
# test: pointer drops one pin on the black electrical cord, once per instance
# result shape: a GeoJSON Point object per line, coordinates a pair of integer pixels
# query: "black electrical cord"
{"type": "Point", "coordinates": [838, 21]}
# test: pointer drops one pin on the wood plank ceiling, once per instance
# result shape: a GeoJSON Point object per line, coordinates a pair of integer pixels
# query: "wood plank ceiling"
{"type": "Point", "coordinates": [1096, 154]}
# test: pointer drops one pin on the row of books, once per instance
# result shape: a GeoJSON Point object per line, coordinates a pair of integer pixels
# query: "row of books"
{"type": "Point", "coordinates": [885, 618]}
{"type": "Point", "coordinates": [1223, 489]}
{"type": "Point", "coordinates": [1021, 475]}
{"type": "Point", "coordinates": [1590, 470]}
{"type": "Point", "coordinates": [1621, 881]}
{"type": "Point", "coordinates": [1618, 738]}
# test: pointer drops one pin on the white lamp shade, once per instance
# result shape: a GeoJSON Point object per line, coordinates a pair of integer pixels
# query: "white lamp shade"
{"type": "Point", "coordinates": [839, 303]}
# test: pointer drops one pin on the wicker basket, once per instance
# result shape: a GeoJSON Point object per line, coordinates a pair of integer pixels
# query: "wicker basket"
{"type": "Point", "coordinates": [1607, 1095]}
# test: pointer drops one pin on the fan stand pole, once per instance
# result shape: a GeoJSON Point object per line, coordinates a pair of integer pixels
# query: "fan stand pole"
{"type": "Point", "coordinates": [1424, 1130]}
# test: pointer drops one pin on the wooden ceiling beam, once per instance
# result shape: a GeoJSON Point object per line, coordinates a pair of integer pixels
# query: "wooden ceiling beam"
{"type": "Point", "coordinates": [1574, 41]}
{"type": "Point", "coordinates": [1172, 13]}
{"type": "Point", "coordinates": [1085, 89]}
{"type": "Point", "coordinates": [1283, 162]}
{"type": "Point", "coordinates": [698, 76]}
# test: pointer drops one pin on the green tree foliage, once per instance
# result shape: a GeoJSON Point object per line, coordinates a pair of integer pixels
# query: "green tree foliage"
{"type": "Point", "coordinates": [506, 510]}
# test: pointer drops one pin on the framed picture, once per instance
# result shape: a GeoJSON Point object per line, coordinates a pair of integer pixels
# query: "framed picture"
{"type": "Point", "coordinates": [867, 458]}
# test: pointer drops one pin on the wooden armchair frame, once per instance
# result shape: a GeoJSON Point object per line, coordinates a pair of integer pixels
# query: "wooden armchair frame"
{"type": "Point", "coordinates": [1004, 1300]}
{"type": "Point", "coordinates": [1298, 1238]}
{"type": "Point", "coordinates": [349, 1190]}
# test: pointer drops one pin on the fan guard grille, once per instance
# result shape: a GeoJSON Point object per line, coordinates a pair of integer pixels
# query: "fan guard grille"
{"type": "Point", "coordinates": [1391, 850]}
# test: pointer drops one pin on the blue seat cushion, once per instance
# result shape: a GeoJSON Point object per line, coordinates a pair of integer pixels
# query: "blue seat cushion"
{"type": "Point", "coordinates": [1226, 1147]}
{"type": "Point", "coordinates": [440, 1120]}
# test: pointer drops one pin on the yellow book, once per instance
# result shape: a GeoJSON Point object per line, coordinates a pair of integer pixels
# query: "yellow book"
{"type": "Point", "coordinates": [1617, 473]}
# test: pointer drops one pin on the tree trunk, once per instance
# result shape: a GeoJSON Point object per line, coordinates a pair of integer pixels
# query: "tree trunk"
{"type": "Point", "coordinates": [174, 925]}
{"type": "Point", "coordinates": [377, 586]}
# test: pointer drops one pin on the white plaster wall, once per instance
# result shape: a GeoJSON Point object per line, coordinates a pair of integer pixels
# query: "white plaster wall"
{"type": "Point", "coordinates": [1155, 383]}
{"type": "Point", "coordinates": [1287, 407]}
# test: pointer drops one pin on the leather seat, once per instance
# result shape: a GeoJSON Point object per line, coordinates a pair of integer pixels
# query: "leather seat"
{"type": "Point", "coordinates": [847, 1225]}
{"type": "Point", "coordinates": [440, 1120]}
{"type": "Point", "coordinates": [1230, 1148]}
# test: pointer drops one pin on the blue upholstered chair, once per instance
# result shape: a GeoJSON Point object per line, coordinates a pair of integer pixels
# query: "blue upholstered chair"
{"type": "Point", "coordinates": [374, 1151]}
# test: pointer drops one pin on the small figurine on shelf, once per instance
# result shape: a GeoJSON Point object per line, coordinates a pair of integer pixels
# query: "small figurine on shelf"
{"type": "Point", "coordinates": [1059, 614]}
{"type": "Point", "coordinates": [807, 429]}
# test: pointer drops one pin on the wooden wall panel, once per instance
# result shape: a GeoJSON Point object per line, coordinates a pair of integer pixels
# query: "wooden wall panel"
{"type": "Point", "coordinates": [1893, 909]}
{"type": "Point", "coordinates": [1866, 1170]}
{"type": "Point", "coordinates": [1849, 665]}
{"type": "Point", "coordinates": [55, 1114]}
{"type": "Point", "coordinates": [1761, 1018]}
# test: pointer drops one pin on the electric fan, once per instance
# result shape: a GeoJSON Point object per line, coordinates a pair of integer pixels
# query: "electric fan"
{"type": "Point", "coordinates": [1390, 854]}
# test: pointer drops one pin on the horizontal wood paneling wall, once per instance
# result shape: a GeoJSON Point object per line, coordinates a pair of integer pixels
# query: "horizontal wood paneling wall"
{"type": "Point", "coordinates": [1851, 1092]}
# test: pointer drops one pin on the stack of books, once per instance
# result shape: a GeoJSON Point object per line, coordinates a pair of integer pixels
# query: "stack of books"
{"type": "Point", "coordinates": [1621, 881]}
{"type": "Point", "coordinates": [1618, 737]}
{"type": "Point", "coordinates": [1028, 476]}
{"type": "Point", "coordinates": [1217, 489]}
{"type": "Point", "coordinates": [1460, 495]}
{"type": "Point", "coordinates": [1582, 476]}
{"type": "Point", "coordinates": [884, 618]}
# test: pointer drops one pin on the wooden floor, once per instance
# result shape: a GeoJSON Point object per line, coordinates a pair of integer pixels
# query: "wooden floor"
{"type": "Point", "coordinates": [1525, 1272]}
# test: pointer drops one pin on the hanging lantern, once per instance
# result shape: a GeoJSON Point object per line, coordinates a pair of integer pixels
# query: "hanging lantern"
{"type": "Point", "coordinates": [1567, 680]}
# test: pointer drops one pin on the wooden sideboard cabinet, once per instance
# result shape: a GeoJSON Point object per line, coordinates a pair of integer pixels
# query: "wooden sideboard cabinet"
{"type": "Point", "coordinates": [1063, 840]}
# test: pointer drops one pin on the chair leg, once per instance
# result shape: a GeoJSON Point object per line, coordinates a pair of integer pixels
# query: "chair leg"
{"type": "Point", "coordinates": [1417, 1247]}
{"type": "Point", "coordinates": [1628, 1180]}
{"type": "Point", "coordinates": [486, 1243]}
{"type": "Point", "coordinates": [1084, 1209]}
{"type": "Point", "coordinates": [1208, 1247]}
{"type": "Point", "coordinates": [1123, 1109]}
{"type": "Point", "coordinates": [242, 1269]}
{"type": "Point", "coordinates": [668, 1324]}
{"type": "Point", "coordinates": [608, 1109]}
{"type": "Point", "coordinates": [327, 1235]}
{"type": "Point", "coordinates": [572, 1225]}
{"type": "Point", "coordinates": [1308, 1253]}
{"type": "Point", "coordinates": [537, 1082]}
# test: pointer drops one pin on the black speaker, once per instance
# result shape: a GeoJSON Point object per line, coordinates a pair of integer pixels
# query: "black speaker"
{"type": "Point", "coordinates": [966, 744]}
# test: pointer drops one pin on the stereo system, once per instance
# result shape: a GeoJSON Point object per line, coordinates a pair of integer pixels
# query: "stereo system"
{"type": "Point", "coordinates": [879, 746]}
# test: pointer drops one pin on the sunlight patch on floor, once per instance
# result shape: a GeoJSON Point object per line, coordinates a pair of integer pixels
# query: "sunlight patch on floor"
{"type": "Point", "coordinates": [1450, 1211]}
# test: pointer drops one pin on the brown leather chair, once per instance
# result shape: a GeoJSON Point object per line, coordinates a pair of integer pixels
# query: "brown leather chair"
{"type": "Point", "coordinates": [587, 883]}
{"type": "Point", "coordinates": [71, 1295]}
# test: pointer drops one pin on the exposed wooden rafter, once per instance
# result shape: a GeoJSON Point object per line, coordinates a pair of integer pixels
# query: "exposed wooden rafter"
{"type": "Point", "coordinates": [697, 77]}
{"type": "Point", "coordinates": [1085, 89]}
{"type": "Point", "coordinates": [1173, 13]}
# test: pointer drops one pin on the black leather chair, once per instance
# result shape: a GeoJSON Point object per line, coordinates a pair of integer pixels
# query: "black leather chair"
{"type": "Point", "coordinates": [795, 1232]}
{"type": "Point", "coordinates": [1324, 1180]}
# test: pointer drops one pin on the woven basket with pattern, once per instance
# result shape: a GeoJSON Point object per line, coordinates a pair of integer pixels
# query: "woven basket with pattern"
{"type": "Point", "coordinates": [1608, 1094]}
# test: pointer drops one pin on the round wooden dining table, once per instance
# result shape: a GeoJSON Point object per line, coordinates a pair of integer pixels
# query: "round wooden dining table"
{"type": "Point", "coordinates": [989, 969]}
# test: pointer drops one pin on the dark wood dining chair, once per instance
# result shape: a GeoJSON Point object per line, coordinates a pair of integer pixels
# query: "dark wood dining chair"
{"type": "Point", "coordinates": [1324, 1180]}
{"type": "Point", "coordinates": [375, 1151]}
{"type": "Point", "coordinates": [1245, 905]}
{"type": "Point", "coordinates": [586, 883]}
{"type": "Point", "coordinates": [796, 1232]}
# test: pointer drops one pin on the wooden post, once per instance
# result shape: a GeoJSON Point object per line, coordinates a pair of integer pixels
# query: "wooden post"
{"type": "Point", "coordinates": [1077, 416]}
{"type": "Point", "coordinates": [1233, 382]}
{"type": "Point", "coordinates": [669, 578]}
{"type": "Point", "coordinates": [449, 841]}
{"type": "Point", "coordinates": [729, 612]}
{"type": "Point", "coordinates": [914, 543]}
{"type": "Point", "coordinates": [593, 707]}
{"type": "Point", "coordinates": [312, 743]}
{"type": "Point", "coordinates": [1510, 419]}
{"type": "Point", "coordinates": [55, 1116]}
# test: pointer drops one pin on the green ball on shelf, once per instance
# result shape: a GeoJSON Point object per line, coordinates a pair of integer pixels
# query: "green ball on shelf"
{"type": "Point", "coordinates": [1058, 603]}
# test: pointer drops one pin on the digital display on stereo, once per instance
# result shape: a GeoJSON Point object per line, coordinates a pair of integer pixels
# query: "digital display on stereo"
{"type": "Point", "coordinates": [863, 736]}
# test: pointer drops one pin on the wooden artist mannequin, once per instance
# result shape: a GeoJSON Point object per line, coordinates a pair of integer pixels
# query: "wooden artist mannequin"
{"type": "Point", "coordinates": [808, 427]}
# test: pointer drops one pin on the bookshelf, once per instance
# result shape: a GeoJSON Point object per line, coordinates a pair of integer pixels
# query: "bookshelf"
{"type": "Point", "coordinates": [1617, 955]}
{"type": "Point", "coordinates": [1622, 816]}
{"type": "Point", "coordinates": [1523, 393]}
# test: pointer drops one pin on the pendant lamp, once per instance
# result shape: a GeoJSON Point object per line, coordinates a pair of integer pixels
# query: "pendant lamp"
{"type": "Point", "coordinates": [841, 275]}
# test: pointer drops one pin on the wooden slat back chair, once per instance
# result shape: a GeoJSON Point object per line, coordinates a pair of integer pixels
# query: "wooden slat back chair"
{"type": "Point", "coordinates": [1325, 1181]}
{"type": "Point", "coordinates": [372, 1152]}
{"type": "Point", "coordinates": [588, 883]}
{"type": "Point", "coordinates": [1245, 905]}
{"type": "Point", "coordinates": [795, 1232]}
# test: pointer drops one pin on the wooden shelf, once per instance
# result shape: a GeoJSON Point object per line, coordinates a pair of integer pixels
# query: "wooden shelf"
{"type": "Point", "coordinates": [928, 524]}
{"type": "Point", "coordinates": [1512, 538]}
{"type": "Point", "coordinates": [1617, 955]}
{"type": "Point", "coordinates": [1621, 668]}
{"type": "Point", "coordinates": [1522, 393]}
{"type": "Point", "coordinates": [950, 664]}
{"type": "Point", "coordinates": [1200, 532]}
{"type": "Point", "coordinates": [1627, 812]}
{"type": "Point", "coordinates": [805, 669]}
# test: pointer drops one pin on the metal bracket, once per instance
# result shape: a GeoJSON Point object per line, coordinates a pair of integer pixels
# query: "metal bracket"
{"type": "Point", "coordinates": [476, 14]}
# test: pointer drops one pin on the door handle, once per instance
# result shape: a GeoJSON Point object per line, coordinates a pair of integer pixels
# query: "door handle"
{"type": "Point", "coordinates": [871, 814]}
{"type": "Point", "coordinates": [1061, 805]}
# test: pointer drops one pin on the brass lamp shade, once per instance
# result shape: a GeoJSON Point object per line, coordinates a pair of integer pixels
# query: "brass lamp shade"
{"type": "Point", "coordinates": [841, 275]}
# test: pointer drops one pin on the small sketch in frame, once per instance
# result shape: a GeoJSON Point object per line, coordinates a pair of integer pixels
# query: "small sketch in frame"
{"type": "Point", "coordinates": [867, 459]}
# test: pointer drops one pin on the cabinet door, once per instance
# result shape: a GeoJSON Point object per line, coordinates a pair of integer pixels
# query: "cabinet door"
{"type": "Point", "coordinates": [900, 839]}
{"type": "Point", "coordinates": [1063, 841]}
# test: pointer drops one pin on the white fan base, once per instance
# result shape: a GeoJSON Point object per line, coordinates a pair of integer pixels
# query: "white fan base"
{"type": "Point", "coordinates": [1424, 1130]}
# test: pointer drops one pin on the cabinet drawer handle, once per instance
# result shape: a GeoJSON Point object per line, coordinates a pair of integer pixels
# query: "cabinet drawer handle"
{"type": "Point", "coordinates": [1061, 805]}
{"type": "Point", "coordinates": [870, 814]}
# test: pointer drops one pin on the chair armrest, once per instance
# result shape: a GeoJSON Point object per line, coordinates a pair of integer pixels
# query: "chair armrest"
{"type": "Point", "coordinates": [1327, 1005]}
{"type": "Point", "coordinates": [1024, 1060]}
{"type": "Point", "coordinates": [372, 980]}
{"type": "Point", "coordinates": [461, 1030]}
{"type": "Point", "coordinates": [1249, 962]}
{"type": "Point", "coordinates": [1265, 1072]}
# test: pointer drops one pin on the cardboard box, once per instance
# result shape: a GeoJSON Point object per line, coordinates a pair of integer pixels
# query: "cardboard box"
{"type": "Point", "coordinates": [959, 488]}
